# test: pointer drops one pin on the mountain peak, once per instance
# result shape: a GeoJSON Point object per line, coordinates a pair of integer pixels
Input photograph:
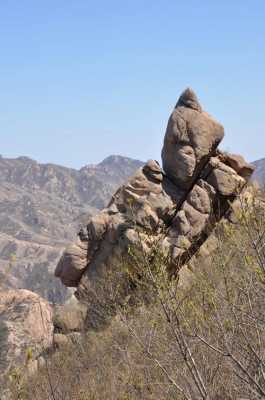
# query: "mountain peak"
{"type": "Point", "coordinates": [117, 159]}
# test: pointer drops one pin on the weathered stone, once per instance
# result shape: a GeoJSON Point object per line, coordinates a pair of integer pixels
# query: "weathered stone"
{"type": "Point", "coordinates": [189, 99]}
{"type": "Point", "coordinates": [199, 199]}
{"type": "Point", "coordinates": [175, 208]}
{"type": "Point", "coordinates": [224, 179]}
{"type": "Point", "coordinates": [25, 327]}
{"type": "Point", "coordinates": [153, 170]}
{"type": "Point", "coordinates": [238, 163]}
{"type": "Point", "coordinates": [73, 263]}
{"type": "Point", "coordinates": [191, 138]}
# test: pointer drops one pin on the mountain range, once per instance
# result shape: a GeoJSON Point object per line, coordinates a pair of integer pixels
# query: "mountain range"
{"type": "Point", "coordinates": [259, 173]}
{"type": "Point", "coordinates": [41, 209]}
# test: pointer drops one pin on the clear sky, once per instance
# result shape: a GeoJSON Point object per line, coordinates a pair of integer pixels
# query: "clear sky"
{"type": "Point", "coordinates": [81, 79]}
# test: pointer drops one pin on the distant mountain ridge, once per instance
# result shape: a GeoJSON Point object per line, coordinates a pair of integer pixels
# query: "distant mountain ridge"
{"type": "Point", "coordinates": [41, 206]}
{"type": "Point", "coordinates": [259, 173]}
{"type": "Point", "coordinates": [68, 183]}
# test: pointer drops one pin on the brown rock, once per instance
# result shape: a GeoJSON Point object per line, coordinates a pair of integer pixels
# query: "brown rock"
{"type": "Point", "coordinates": [190, 139]}
{"type": "Point", "coordinates": [239, 164]}
{"type": "Point", "coordinates": [25, 325]}
{"type": "Point", "coordinates": [189, 99]}
{"type": "Point", "coordinates": [225, 180]}
{"type": "Point", "coordinates": [176, 209]}
{"type": "Point", "coordinates": [72, 264]}
{"type": "Point", "coordinates": [199, 199]}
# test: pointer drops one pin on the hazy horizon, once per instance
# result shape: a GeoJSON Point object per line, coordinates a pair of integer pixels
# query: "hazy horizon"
{"type": "Point", "coordinates": [81, 81]}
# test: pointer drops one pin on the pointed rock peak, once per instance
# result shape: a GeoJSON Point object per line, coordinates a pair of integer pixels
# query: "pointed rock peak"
{"type": "Point", "coordinates": [189, 99]}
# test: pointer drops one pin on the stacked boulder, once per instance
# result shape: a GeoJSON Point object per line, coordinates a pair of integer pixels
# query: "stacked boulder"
{"type": "Point", "coordinates": [178, 204]}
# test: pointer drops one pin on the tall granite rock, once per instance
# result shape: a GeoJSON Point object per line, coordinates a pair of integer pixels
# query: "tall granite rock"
{"type": "Point", "coordinates": [178, 206]}
{"type": "Point", "coordinates": [191, 138]}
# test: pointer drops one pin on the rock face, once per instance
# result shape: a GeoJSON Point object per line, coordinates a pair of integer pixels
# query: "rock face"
{"type": "Point", "coordinates": [191, 138]}
{"type": "Point", "coordinates": [177, 206]}
{"type": "Point", "coordinates": [25, 325]}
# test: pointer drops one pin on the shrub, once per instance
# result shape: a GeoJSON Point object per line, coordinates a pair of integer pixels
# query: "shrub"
{"type": "Point", "coordinates": [196, 338]}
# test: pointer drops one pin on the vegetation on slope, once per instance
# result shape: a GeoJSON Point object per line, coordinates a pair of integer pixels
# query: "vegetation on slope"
{"type": "Point", "coordinates": [197, 338]}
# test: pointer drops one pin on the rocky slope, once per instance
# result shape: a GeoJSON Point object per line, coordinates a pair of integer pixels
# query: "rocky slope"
{"type": "Point", "coordinates": [174, 208]}
{"type": "Point", "coordinates": [41, 207]}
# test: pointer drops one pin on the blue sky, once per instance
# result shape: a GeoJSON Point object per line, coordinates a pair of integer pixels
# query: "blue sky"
{"type": "Point", "coordinates": [81, 79]}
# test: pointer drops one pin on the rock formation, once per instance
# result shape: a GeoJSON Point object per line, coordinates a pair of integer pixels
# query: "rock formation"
{"type": "Point", "coordinates": [177, 205]}
{"type": "Point", "coordinates": [26, 328]}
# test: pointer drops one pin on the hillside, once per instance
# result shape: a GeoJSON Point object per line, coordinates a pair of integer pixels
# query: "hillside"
{"type": "Point", "coordinates": [259, 174]}
{"type": "Point", "coordinates": [169, 276]}
{"type": "Point", "coordinates": [41, 206]}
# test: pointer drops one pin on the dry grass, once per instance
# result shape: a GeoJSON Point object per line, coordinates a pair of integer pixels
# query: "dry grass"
{"type": "Point", "coordinates": [205, 340]}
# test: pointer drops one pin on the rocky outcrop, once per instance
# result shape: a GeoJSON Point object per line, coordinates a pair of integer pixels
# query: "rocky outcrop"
{"type": "Point", "coordinates": [176, 206]}
{"type": "Point", "coordinates": [26, 328]}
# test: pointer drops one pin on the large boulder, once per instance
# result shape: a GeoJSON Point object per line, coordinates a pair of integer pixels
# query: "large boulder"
{"type": "Point", "coordinates": [191, 138]}
{"type": "Point", "coordinates": [26, 328]}
{"type": "Point", "coordinates": [176, 207]}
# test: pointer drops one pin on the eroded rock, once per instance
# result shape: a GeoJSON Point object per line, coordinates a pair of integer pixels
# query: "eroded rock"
{"type": "Point", "coordinates": [191, 138]}
{"type": "Point", "coordinates": [25, 326]}
{"type": "Point", "coordinates": [176, 207]}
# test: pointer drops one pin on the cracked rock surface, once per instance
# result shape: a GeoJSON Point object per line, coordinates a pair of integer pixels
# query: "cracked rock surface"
{"type": "Point", "coordinates": [25, 325]}
{"type": "Point", "coordinates": [179, 203]}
